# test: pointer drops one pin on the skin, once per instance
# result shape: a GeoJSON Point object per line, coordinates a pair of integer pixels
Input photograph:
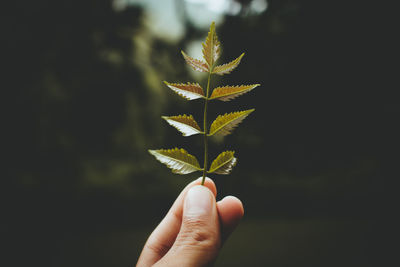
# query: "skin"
{"type": "Point", "coordinates": [194, 229]}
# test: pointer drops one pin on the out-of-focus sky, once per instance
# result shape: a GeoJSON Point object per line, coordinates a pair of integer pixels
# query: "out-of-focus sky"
{"type": "Point", "coordinates": [163, 20]}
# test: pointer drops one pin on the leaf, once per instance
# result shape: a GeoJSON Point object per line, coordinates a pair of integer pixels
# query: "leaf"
{"type": "Point", "coordinates": [188, 91]}
{"type": "Point", "coordinates": [211, 47]}
{"type": "Point", "coordinates": [183, 123]}
{"type": "Point", "coordinates": [226, 93]}
{"type": "Point", "coordinates": [224, 124]}
{"type": "Point", "coordinates": [196, 64]}
{"type": "Point", "coordinates": [179, 160]}
{"type": "Point", "coordinates": [224, 163]}
{"type": "Point", "coordinates": [228, 67]}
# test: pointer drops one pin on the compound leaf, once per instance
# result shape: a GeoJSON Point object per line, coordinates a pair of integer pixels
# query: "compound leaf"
{"type": "Point", "coordinates": [211, 47]}
{"type": "Point", "coordinates": [226, 93]}
{"type": "Point", "coordinates": [224, 163]}
{"type": "Point", "coordinates": [196, 64]}
{"type": "Point", "coordinates": [183, 123]}
{"type": "Point", "coordinates": [224, 124]}
{"type": "Point", "coordinates": [188, 91]}
{"type": "Point", "coordinates": [179, 160]}
{"type": "Point", "coordinates": [228, 67]}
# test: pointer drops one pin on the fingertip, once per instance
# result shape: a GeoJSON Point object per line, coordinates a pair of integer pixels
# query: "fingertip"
{"type": "Point", "coordinates": [231, 211]}
{"type": "Point", "coordinates": [208, 182]}
{"type": "Point", "coordinates": [235, 205]}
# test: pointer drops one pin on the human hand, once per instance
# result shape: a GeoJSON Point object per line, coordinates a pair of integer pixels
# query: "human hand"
{"type": "Point", "coordinates": [192, 232]}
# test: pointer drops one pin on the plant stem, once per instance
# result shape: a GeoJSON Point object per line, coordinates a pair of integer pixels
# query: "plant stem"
{"type": "Point", "coordinates": [206, 131]}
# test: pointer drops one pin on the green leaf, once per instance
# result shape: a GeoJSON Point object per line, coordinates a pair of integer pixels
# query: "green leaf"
{"type": "Point", "coordinates": [224, 124]}
{"type": "Point", "coordinates": [183, 123]}
{"type": "Point", "coordinates": [226, 93]}
{"type": "Point", "coordinates": [224, 163]}
{"type": "Point", "coordinates": [211, 47]}
{"type": "Point", "coordinates": [179, 160]}
{"type": "Point", "coordinates": [196, 64]}
{"type": "Point", "coordinates": [188, 91]}
{"type": "Point", "coordinates": [228, 67]}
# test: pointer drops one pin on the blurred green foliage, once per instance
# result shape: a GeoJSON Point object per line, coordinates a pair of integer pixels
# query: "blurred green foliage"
{"type": "Point", "coordinates": [86, 95]}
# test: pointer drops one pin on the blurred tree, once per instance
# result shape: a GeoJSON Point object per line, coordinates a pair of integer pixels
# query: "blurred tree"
{"type": "Point", "coordinates": [84, 94]}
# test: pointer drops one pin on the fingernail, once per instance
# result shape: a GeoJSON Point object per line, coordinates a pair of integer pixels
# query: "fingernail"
{"type": "Point", "coordinates": [198, 201]}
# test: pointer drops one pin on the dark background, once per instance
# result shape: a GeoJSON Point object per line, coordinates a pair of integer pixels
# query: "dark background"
{"type": "Point", "coordinates": [83, 97]}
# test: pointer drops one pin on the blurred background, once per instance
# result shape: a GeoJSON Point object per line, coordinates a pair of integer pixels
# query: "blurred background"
{"type": "Point", "coordinates": [83, 98]}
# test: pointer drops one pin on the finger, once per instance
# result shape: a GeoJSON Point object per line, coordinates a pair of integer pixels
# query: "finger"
{"type": "Point", "coordinates": [198, 241]}
{"type": "Point", "coordinates": [163, 237]}
{"type": "Point", "coordinates": [231, 211]}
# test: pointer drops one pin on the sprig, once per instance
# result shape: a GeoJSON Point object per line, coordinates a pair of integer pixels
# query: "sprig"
{"type": "Point", "coordinates": [178, 159]}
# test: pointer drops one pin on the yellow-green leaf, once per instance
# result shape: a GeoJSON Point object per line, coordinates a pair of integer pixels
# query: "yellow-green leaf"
{"type": "Point", "coordinates": [188, 91]}
{"type": "Point", "coordinates": [211, 47]}
{"type": "Point", "coordinates": [183, 123]}
{"type": "Point", "coordinates": [179, 160]}
{"type": "Point", "coordinates": [196, 64]}
{"type": "Point", "coordinates": [224, 163]}
{"type": "Point", "coordinates": [226, 93]}
{"type": "Point", "coordinates": [224, 124]}
{"type": "Point", "coordinates": [228, 67]}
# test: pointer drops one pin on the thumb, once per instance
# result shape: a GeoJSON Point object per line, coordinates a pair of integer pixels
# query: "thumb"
{"type": "Point", "coordinates": [198, 241]}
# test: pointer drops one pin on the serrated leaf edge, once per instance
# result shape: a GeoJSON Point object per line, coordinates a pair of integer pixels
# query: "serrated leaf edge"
{"type": "Point", "coordinates": [244, 114]}
{"type": "Point", "coordinates": [185, 93]}
{"type": "Point", "coordinates": [228, 67]}
{"type": "Point", "coordinates": [196, 64]}
{"type": "Point", "coordinates": [229, 96]}
{"type": "Point", "coordinates": [172, 120]}
{"type": "Point", "coordinates": [232, 159]}
{"type": "Point", "coordinates": [156, 153]}
{"type": "Point", "coordinates": [211, 46]}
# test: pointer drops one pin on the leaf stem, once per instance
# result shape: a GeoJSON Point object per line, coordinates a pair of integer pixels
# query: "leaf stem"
{"type": "Point", "coordinates": [205, 130]}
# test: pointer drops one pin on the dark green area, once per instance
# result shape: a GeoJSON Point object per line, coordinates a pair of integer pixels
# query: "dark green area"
{"type": "Point", "coordinates": [278, 242]}
{"type": "Point", "coordinates": [84, 95]}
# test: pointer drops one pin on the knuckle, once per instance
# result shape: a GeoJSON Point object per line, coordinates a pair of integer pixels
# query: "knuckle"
{"type": "Point", "coordinates": [197, 233]}
{"type": "Point", "coordinates": [158, 248]}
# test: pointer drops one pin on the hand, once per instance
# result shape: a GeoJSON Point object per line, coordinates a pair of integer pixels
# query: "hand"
{"type": "Point", "coordinates": [194, 228]}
